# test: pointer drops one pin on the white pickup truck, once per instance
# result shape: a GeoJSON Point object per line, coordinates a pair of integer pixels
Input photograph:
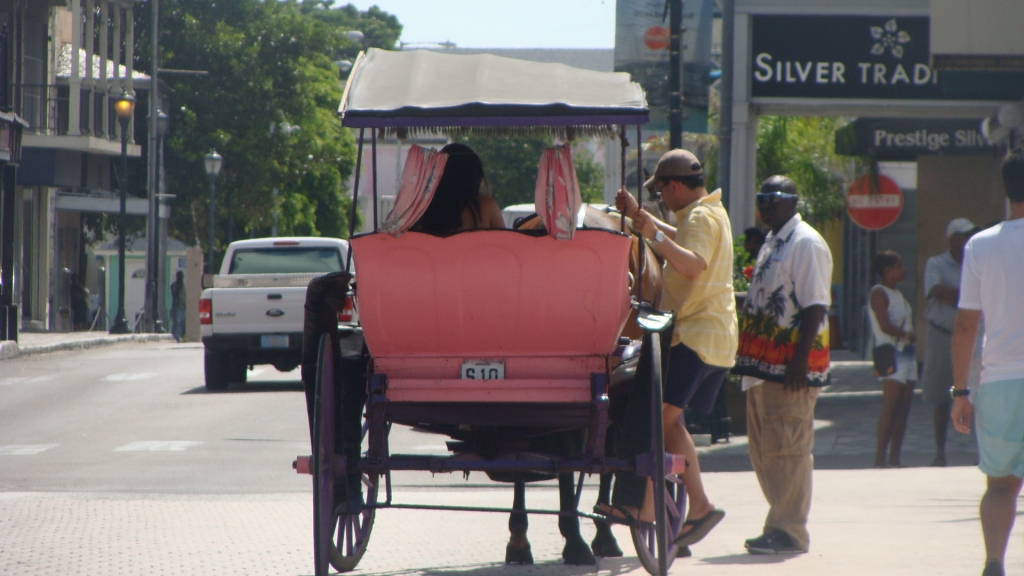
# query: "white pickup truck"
{"type": "Point", "coordinates": [253, 314]}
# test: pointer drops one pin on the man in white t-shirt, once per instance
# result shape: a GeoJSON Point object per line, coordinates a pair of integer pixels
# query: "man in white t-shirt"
{"type": "Point", "coordinates": [991, 283]}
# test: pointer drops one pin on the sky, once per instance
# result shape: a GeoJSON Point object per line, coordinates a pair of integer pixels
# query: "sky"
{"type": "Point", "coordinates": [503, 23]}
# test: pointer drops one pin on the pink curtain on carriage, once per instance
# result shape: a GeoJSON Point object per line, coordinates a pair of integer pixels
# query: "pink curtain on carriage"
{"type": "Point", "coordinates": [557, 195]}
{"type": "Point", "coordinates": [420, 176]}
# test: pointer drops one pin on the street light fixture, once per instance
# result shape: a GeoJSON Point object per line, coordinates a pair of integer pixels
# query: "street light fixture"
{"type": "Point", "coordinates": [163, 123]}
{"type": "Point", "coordinates": [344, 66]}
{"type": "Point", "coordinates": [213, 163]}
{"type": "Point", "coordinates": [124, 107]}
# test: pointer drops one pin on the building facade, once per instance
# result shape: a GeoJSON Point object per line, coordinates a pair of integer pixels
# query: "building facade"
{"type": "Point", "coordinates": [69, 60]}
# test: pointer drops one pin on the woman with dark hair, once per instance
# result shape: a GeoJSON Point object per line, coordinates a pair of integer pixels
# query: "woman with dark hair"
{"type": "Point", "coordinates": [753, 239]}
{"type": "Point", "coordinates": [892, 324]}
{"type": "Point", "coordinates": [458, 204]}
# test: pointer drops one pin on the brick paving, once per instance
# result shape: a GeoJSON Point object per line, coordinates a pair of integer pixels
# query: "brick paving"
{"type": "Point", "coordinates": [909, 521]}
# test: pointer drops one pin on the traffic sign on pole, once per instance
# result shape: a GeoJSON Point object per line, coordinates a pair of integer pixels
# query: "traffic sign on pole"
{"type": "Point", "coordinates": [874, 202]}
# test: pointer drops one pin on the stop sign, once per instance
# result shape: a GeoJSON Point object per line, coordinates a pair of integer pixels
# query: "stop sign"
{"type": "Point", "coordinates": [656, 37]}
{"type": "Point", "coordinates": [871, 207]}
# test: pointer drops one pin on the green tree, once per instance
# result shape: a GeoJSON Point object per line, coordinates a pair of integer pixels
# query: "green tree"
{"type": "Point", "coordinates": [269, 106]}
{"type": "Point", "coordinates": [511, 162]}
{"type": "Point", "coordinates": [803, 148]}
{"type": "Point", "coordinates": [590, 175]}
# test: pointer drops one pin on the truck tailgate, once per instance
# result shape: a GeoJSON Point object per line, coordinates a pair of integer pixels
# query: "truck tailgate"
{"type": "Point", "coordinates": [258, 310]}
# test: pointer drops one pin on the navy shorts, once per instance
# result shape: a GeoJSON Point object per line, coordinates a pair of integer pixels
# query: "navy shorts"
{"type": "Point", "coordinates": [691, 382]}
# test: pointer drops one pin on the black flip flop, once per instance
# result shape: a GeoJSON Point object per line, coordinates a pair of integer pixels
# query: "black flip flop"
{"type": "Point", "coordinates": [700, 528]}
{"type": "Point", "coordinates": [628, 520]}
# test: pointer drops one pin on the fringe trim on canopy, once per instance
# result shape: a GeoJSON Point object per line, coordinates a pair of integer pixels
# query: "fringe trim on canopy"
{"type": "Point", "coordinates": [564, 133]}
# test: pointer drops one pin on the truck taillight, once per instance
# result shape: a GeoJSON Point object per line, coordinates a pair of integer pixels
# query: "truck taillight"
{"type": "Point", "coordinates": [205, 311]}
{"type": "Point", "coordinates": [346, 313]}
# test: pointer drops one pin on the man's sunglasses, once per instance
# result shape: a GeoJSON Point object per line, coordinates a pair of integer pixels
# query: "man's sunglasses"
{"type": "Point", "coordinates": [664, 180]}
{"type": "Point", "coordinates": [770, 198]}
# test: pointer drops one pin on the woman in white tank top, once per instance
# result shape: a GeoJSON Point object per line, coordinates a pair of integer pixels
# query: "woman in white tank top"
{"type": "Point", "coordinates": [892, 322]}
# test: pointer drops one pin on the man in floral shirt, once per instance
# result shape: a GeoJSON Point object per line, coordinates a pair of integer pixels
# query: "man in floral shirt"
{"type": "Point", "coordinates": [784, 360]}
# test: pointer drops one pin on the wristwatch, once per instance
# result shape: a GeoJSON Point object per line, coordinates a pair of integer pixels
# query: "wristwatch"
{"type": "Point", "coordinates": [953, 392]}
{"type": "Point", "coordinates": [659, 237]}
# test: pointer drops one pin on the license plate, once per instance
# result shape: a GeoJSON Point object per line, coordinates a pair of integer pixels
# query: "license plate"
{"type": "Point", "coordinates": [274, 341]}
{"type": "Point", "coordinates": [483, 370]}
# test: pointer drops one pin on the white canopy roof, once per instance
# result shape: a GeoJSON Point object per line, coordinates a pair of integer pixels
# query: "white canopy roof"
{"type": "Point", "coordinates": [426, 88]}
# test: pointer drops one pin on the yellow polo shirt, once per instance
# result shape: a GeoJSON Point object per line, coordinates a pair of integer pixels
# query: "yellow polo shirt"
{"type": "Point", "coordinates": [706, 307]}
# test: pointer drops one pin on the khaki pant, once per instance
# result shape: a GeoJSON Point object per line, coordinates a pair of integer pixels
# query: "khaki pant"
{"type": "Point", "coordinates": [780, 431]}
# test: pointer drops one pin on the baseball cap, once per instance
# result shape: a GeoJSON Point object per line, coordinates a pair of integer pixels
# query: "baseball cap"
{"type": "Point", "coordinates": [959, 226]}
{"type": "Point", "coordinates": [676, 162]}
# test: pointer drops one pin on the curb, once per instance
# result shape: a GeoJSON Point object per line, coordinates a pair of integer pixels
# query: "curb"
{"type": "Point", "coordinates": [10, 348]}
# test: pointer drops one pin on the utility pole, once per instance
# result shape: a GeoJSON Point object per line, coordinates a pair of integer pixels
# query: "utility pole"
{"type": "Point", "coordinates": [675, 75]}
{"type": "Point", "coordinates": [725, 101]}
{"type": "Point", "coordinates": [153, 323]}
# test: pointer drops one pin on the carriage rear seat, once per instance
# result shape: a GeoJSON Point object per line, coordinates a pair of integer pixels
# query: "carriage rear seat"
{"type": "Point", "coordinates": [551, 309]}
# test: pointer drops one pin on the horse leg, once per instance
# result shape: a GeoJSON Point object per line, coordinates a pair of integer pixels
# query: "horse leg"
{"type": "Point", "coordinates": [604, 543]}
{"type": "Point", "coordinates": [576, 552]}
{"type": "Point", "coordinates": [518, 549]}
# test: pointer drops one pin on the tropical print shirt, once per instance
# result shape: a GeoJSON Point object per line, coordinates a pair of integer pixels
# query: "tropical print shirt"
{"type": "Point", "coordinates": [793, 272]}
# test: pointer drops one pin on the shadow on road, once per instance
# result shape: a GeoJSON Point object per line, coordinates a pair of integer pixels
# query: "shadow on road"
{"type": "Point", "coordinates": [610, 565]}
{"type": "Point", "coordinates": [250, 387]}
{"type": "Point", "coordinates": [845, 438]}
{"type": "Point", "coordinates": [745, 558]}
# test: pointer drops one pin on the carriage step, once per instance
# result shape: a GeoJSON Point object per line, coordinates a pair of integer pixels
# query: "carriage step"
{"type": "Point", "coordinates": [301, 465]}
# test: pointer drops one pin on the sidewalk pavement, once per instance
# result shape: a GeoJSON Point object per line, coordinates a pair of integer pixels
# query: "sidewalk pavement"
{"type": "Point", "coordinates": [42, 342]}
{"type": "Point", "coordinates": [894, 522]}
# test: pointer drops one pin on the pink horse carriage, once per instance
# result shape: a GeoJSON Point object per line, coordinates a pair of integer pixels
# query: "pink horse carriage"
{"type": "Point", "coordinates": [493, 337]}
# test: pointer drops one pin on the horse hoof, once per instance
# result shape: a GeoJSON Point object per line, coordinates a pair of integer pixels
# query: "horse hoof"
{"type": "Point", "coordinates": [518, 554]}
{"type": "Point", "coordinates": [604, 544]}
{"type": "Point", "coordinates": [577, 553]}
{"type": "Point", "coordinates": [684, 552]}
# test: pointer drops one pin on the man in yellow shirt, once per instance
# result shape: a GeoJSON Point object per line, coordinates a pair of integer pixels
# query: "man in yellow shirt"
{"type": "Point", "coordinates": [698, 288]}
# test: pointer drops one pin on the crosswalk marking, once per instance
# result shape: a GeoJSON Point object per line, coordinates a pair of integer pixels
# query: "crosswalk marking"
{"type": "Point", "coordinates": [157, 446]}
{"type": "Point", "coordinates": [130, 377]}
{"type": "Point", "coordinates": [24, 449]}
{"type": "Point", "coordinates": [24, 380]}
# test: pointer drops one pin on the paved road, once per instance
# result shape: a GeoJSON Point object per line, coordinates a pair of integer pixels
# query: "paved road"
{"type": "Point", "coordinates": [137, 418]}
{"type": "Point", "coordinates": [116, 461]}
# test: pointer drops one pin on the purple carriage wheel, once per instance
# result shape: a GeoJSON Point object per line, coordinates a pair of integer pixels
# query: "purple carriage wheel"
{"type": "Point", "coordinates": [645, 537]}
{"type": "Point", "coordinates": [655, 543]}
{"type": "Point", "coordinates": [338, 539]}
{"type": "Point", "coordinates": [352, 531]}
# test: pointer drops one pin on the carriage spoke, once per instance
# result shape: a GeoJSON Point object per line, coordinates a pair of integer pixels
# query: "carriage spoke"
{"type": "Point", "coordinates": [349, 540]}
{"type": "Point", "coordinates": [673, 511]}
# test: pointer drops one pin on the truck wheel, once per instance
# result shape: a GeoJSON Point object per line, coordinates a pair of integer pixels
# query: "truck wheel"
{"type": "Point", "coordinates": [216, 372]}
{"type": "Point", "coordinates": [239, 370]}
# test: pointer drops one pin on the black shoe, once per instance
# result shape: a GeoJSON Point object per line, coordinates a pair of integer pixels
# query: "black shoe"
{"type": "Point", "coordinates": [774, 542]}
{"type": "Point", "coordinates": [993, 568]}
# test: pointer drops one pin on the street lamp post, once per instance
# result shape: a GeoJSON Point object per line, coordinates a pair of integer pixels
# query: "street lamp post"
{"type": "Point", "coordinates": [124, 107]}
{"type": "Point", "coordinates": [231, 220]}
{"type": "Point", "coordinates": [157, 258]}
{"type": "Point", "coordinates": [213, 163]}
